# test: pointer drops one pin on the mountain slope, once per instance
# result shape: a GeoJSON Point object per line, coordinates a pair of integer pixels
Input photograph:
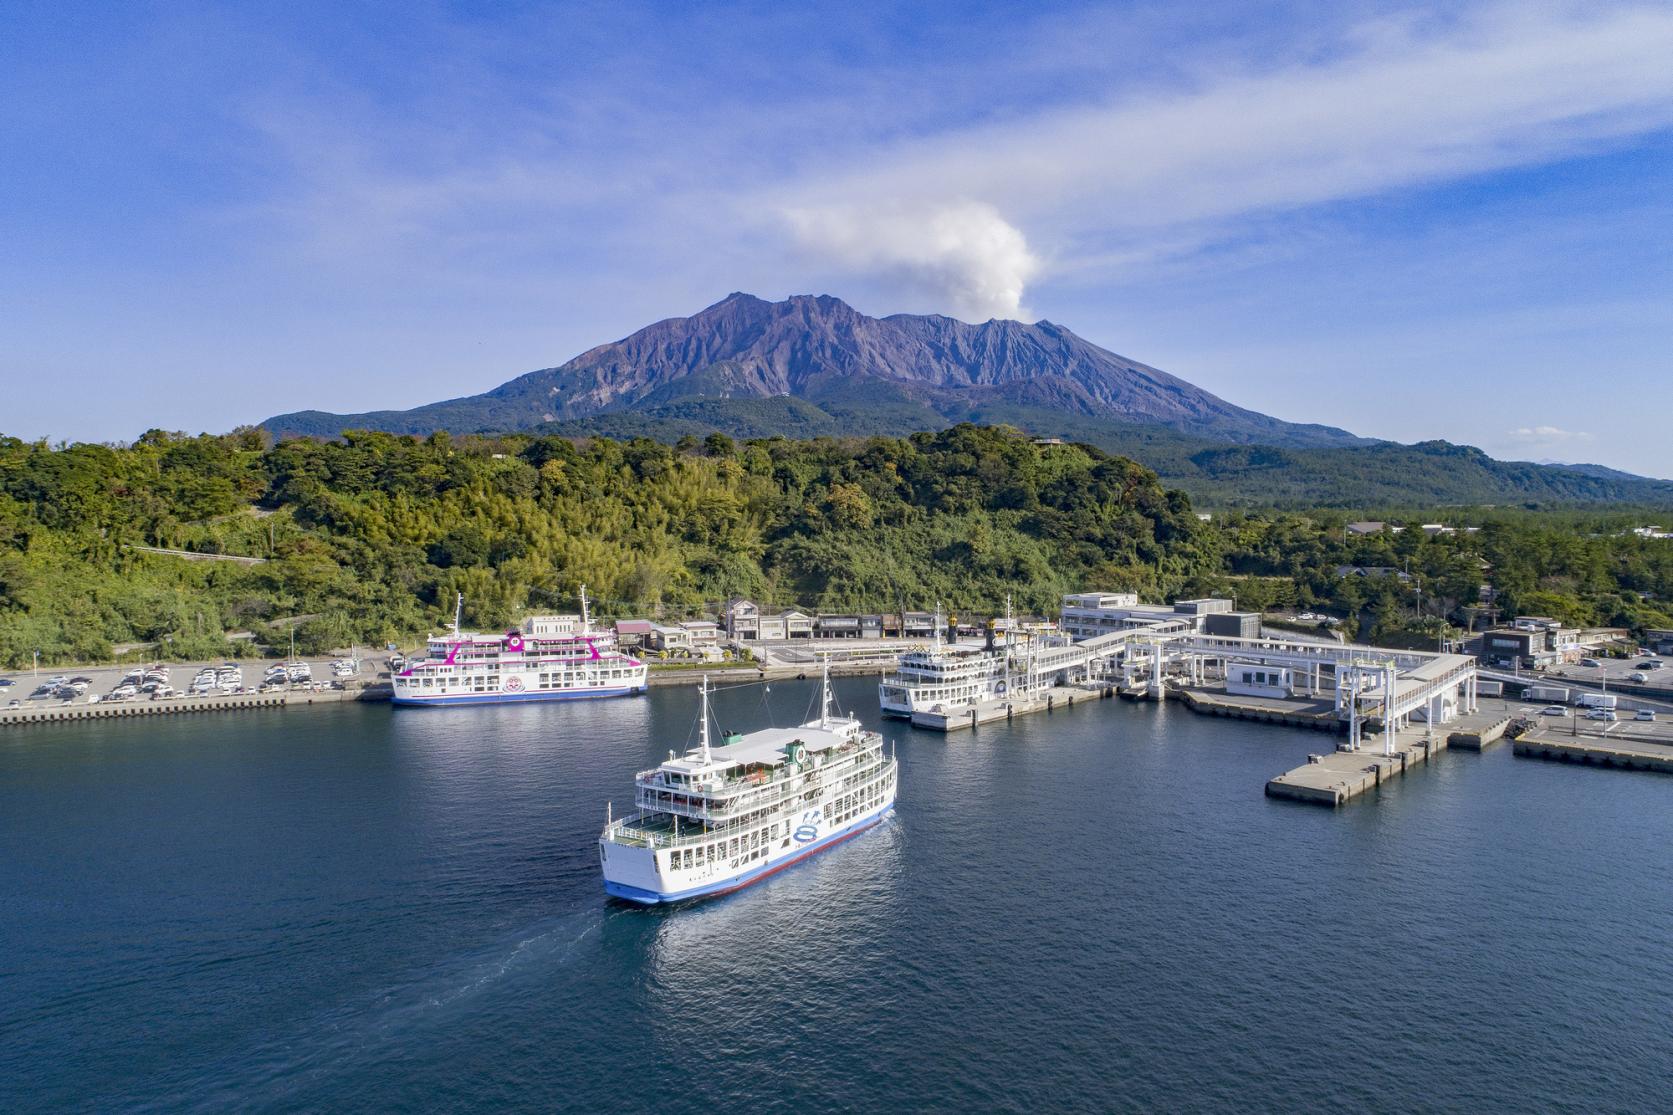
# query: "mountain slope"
{"type": "Point", "coordinates": [821, 349]}
{"type": "Point", "coordinates": [1213, 473]}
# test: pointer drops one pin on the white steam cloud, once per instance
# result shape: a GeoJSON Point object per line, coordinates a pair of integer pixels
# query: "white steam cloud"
{"type": "Point", "coordinates": [962, 253]}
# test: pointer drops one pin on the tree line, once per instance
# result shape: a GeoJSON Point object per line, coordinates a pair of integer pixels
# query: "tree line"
{"type": "Point", "coordinates": [368, 538]}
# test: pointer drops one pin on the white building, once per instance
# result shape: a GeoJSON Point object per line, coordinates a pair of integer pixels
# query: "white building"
{"type": "Point", "coordinates": [1251, 679]}
{"type": "Point", "coordinates": [701, 632]}
{"type": "Point", "coordinates": [1086, 615]}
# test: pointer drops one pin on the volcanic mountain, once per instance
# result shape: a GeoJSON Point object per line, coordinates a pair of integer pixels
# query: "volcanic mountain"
{"type": "Point", "coordinates": [906, 371]}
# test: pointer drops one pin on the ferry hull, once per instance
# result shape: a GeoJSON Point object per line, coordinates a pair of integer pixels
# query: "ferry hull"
{"type": "Point", "coordinates": [518, 698]}
{"type": "Point", "coordinates": [644, 897]}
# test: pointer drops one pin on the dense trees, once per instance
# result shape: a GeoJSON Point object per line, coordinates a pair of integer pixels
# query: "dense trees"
{"type": "Point", "coordinates": [370, 537]}
{"type": "Point", "coordinates": [1583, 568]}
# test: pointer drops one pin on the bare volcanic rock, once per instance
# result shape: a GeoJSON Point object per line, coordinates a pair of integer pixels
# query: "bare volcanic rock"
{"type": "Point", "coordinates": [820, 348]}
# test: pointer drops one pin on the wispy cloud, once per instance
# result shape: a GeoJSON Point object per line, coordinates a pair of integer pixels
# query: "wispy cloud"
{"type": "Point", "coordinates": [1102, 179]}
{"type": "Point", "coordinates": [1545, 435]}
{"type": "Point", "coordinates": [1135, 177]}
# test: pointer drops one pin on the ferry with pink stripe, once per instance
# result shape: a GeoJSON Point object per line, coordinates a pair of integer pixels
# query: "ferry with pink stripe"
{"type": "Point", "coordinates": [547, 658]}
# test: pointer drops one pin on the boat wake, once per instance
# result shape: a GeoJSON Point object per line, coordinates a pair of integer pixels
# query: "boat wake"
{"type": "Point", "coordinates": [381, 1027]}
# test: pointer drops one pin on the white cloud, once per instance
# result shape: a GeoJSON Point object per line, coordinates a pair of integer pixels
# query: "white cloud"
{"type": "Point", "coordinates": [1396, 104]}
{"type": "Point", "coordinates": [962, 252]}
{"type": "Point", "coordinates": [1544, 435]}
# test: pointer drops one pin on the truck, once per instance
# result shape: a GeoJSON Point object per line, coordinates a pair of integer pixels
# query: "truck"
{"type": "Point", "coordinates": [1597, 700]}
{"type": "Point", "coordinates": [1553, 694]}
{"type": "Point", "coordinates": [1490, 688]}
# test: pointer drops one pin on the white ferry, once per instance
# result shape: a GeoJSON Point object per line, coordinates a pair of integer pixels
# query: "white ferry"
{"type": "Point", "coordinates": [720, 818]}
{"type": "Point", "coordinates": [946, 676]}
{"type": "Point", "coordinates": [549, 658]}
{"type": "Point", "coordinates": [942, 678]}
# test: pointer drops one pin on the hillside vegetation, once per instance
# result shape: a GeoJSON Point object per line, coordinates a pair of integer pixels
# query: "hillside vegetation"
{"type": "Point", "coordinates": [368, 538]}
{"type": "Point", "coordinates": [372, 536]}
{"type": "Point", "coordinates": [1214, 473]}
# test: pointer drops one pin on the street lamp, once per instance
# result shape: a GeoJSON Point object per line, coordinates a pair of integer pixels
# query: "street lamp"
{"type": "Point", "coordinates": [37, 654]}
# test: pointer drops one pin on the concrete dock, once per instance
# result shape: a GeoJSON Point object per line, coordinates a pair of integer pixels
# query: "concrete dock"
{"type": "Point", "coordinates": [1624, 745]}
{"type": "Point", "coordinates": [1335, 777]}
{"type": "Point", "coordinates": [1480, 737]}
{"type": "Point", "coordinates": [64, 712]}
{"type": "Point", "coordinates": [1319, 715]}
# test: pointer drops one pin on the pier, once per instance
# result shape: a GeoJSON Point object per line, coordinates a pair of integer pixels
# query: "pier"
{"type": "Point", "coordinates": [1314, 714]}
{"type": "Point", "coordinates": [1339, 776]}
{"type": "Point", "coordinates": [1334, 778]}
{"type": "Point", "coordinates": [1624, 745]}
{"type": "Point", "coordinates": [177, 706]}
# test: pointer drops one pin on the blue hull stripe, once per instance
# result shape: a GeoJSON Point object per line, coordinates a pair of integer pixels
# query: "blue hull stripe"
{"type": "Point", "coordinates": [525, 695]}
{"type": "Point", "coordinates": [738, 882]}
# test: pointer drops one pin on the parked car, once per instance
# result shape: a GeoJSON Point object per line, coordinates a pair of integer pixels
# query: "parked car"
{"type": "Point", "coordinates": [1602, 714]}
{"type": "Point", "coordinates": [6, 683]}
{"type": "Point", "coordinates": [1553, 710]}
{"type": "Point", "coordinates": [14, 703]}
{"type": "Point", "coordinates": [1640, 675]}
{"type": "Point", "coordinates": [1590, 663]}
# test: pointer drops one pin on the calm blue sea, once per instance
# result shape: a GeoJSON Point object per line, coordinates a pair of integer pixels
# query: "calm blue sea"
{"type": "Point", "coordinates": [360, 908]}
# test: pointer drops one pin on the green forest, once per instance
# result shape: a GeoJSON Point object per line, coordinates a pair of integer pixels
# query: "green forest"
{"type": "Point", "coordinates": [368, 538]}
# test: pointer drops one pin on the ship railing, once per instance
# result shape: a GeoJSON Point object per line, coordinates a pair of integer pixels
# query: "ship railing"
{"type": "Point", "coordinates": [658, 799]}
{"type": "Point", "coordinates": [625, 831]}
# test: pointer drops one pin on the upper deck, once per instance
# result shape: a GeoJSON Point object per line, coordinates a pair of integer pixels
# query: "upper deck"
{"type": "Point", "coordinates": [755, 769]}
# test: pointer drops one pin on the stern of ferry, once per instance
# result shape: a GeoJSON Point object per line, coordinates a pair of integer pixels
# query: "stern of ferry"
{"type": "Point", "coordinates": [630, 870]}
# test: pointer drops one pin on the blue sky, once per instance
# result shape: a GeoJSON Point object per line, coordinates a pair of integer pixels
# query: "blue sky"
{"type": "Point", "coordinates": [1414, 222]}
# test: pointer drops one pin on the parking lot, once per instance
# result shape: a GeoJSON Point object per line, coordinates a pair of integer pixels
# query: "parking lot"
{"type": "Point", "coordinates": [1619, 672]}
{"type": "Point", "coordinates": [29, 688]}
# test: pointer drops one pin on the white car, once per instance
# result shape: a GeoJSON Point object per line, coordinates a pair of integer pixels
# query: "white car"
{"type": "Point", "coordinates": [1602, 714]}
{"type": "Point", "coordinates": [1645, 714]}
{"type": "Point", "coordinates": [1553, 710]}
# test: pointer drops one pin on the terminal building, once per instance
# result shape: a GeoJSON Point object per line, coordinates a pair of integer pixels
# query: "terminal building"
{"type": "Point", "coordinates": [1087, 615]}
{"type": "Point", "coordinates": [1540, 642]}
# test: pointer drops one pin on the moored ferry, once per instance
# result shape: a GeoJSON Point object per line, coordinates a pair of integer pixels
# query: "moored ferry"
{"type": "Point", "coordinates": [941, 678]}
{"type": "Point", "coordinates": [948, 676]}
{"type": "Point", "coordinates": [717, 819]}
{"type": "Point", "coordinates": [548, 658]}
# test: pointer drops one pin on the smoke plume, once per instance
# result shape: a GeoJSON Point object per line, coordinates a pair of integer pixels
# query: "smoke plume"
{"type": "Point", "coordinates": [962, 254]}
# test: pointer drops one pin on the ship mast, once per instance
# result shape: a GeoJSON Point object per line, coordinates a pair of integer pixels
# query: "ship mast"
{"type": "Point", "coordinates": [458, 612]}
{"type": "Point", "coordinates": [1008, 626]}
{"type": "Point", "coordinates": [825, 694]}
{"type": "Point", "coordinates": [703, 723]}
{"type": "Point", "coordinates": [586, 619]}
{"type": "Point", "coordinates": [938, 627]}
